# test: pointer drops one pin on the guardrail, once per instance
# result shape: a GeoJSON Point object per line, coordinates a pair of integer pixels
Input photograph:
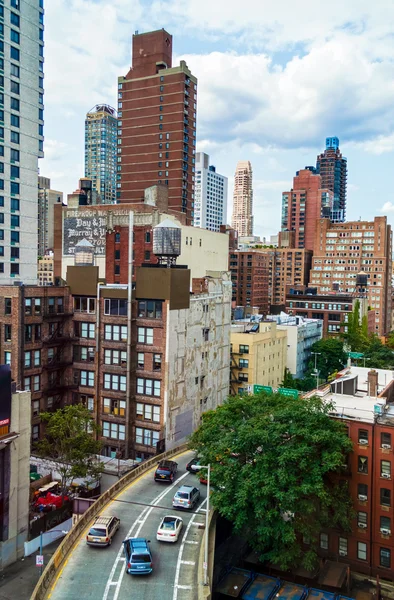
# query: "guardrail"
{"type": "Point", "coordinates": [55, 564]}
{"type": "Point", "coordinates": [204, 592]}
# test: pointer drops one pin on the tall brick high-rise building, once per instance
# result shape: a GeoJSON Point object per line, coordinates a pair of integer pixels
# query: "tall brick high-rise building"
{"type": "Point", "coordinates": [157, 106]}
{"type": "Point", "coordinates": [332, 167]}
{"type": "Point", "coordinates": [303, 205]}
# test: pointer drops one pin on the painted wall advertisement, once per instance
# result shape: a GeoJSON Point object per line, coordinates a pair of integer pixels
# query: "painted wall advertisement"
{"type": "Point", "coordinates": [87, 225]}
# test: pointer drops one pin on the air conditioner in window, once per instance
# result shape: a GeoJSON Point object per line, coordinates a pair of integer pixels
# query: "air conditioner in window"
{"type": "Point", "coordinates": [385, 531]}
{"type": "Point", "coordinates": [386, 446]}
{"type": "Point", "coordinates": [385, 475]}
{"type": "Point", "coordinates": [362, 497]}
{"type": "Point", "coordinates": [363, 442]}
{"type": "Point", "coordinates": [362, 525]}
{"type": "Point", "coordinates": [342, 553]}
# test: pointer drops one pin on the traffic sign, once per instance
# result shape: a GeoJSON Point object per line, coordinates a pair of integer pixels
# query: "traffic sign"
{"type": "Point", "coordinates": [262, 388]}
{"type": "Point", "coordinates": [288, 392]}
{"type": "Point", "coordinates": [39, 560]}
{"type": "Point", "coordinates": [356, 355]}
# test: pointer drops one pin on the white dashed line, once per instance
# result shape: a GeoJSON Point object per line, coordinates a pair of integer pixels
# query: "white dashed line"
{"type": "Point", "coordinates": [188, 562]}
{"type": "Point", "coordinates": [183, 587]}
{"type": "Point", "coordinates": [191, 542]}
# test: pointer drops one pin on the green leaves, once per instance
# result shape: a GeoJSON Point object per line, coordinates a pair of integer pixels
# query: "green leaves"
{"type": "Point", "coordinates": [276, 464]}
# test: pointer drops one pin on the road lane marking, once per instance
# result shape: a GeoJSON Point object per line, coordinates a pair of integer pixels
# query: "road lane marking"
{"type": "Point", "coordinates": [188, 562]}
{"type": "Point", "coordinates": [198, 524]}
{"type": "Point", "coordinates": [190, 542]}
{"type": "Point", "coordinates": [184, 587]}
{"type": "Point", "coordinates": [140, 520]}
{"type": "Point", "coordinates": [180, 553]}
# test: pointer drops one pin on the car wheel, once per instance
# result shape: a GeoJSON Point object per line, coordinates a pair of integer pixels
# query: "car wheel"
{"type": "Point", "coordinates": [110, 541]}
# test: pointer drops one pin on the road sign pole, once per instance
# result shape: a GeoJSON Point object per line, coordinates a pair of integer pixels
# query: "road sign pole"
{"type": "Point", "coordinates": [41, 551]}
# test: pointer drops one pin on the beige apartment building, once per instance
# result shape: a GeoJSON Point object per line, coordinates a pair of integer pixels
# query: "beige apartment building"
{"type": "Point", "coordinates": [45, 270]}
{"type": "Point", "coordinates": [242, 219]}
{"type": "Point", "coordinates": [258, 356]}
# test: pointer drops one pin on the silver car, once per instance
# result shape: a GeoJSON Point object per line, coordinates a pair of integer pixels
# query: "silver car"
{"type": "Point", "coordinates": [186, 497]}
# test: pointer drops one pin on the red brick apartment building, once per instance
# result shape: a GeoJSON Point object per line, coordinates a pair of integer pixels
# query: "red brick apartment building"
{"type": "Point", "coordinates": [362, 400]}
{"type": "Point", "coordinates": [157, 107]}
{"type": "Point", "coordinates": [250, 277]}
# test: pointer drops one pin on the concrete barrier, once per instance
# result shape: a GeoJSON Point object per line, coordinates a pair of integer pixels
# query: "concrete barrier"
{"type": "Point", "coordinates": [205, 591]}
{"type": "Point", "coordinates": [55, 564]}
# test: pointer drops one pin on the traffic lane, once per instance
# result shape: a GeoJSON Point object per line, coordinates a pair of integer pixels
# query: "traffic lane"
{"type": "Point", "coordinates": [160, 583]}
{"type": "Point", "coordinates": [86, 572]}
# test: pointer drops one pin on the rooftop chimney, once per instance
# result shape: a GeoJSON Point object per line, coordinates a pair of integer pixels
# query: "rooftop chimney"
{"type": "Point", "coordinates": [372, 382]}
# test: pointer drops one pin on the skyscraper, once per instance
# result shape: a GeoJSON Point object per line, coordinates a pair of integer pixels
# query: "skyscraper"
{"type": "Point", "coordinates": [21, 136]}
{"type": "Point", "coordinates": [303, 205]}
{"type": "Point", "coordinates": [47, 198]}
{"type": "Point", "coordinates": [332, 167]}
{"type": "Point", "coordinates": [242, 219]}
{"type": "Point", "coordinates": [210, 205]}
{"type": "Point", "coordinates": [157, 106]}
{"type": "Point", "coordinates": [101, 131]}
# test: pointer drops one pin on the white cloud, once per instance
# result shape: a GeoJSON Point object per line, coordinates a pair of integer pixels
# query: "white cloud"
{"type": "Point", "coordinates": [387, 207]}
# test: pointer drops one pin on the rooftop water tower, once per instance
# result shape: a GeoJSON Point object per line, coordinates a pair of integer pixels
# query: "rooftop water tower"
{"type": "Point", "coordinates": [167, 237]}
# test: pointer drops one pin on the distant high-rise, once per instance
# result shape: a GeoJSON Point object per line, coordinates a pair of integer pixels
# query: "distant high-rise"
{"type": "Point", "coordinates": [210, 204]}
{"type": "Point", "coordinates": [332, 167]}
{"type": "Point", "coordinates": [303, 205]}
{"type": "Point", "coordinates": [47, 198]}
{"type": "Point", "coordinates": [157, 105]}
{"type": "Point", "coordinates": [242, 219]}
{"type": "Point", "coordinates": [101, 131]}
{"type": "Point", "coordinates": [21, 136]}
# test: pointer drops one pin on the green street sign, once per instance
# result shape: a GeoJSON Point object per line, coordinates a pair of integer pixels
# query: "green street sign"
{"type": "Point", "coordinates": [262, 388]}
{"type": "Point", "coordinates": [356, 355]}
{"type": "Point", "coordinates": [288, 392]}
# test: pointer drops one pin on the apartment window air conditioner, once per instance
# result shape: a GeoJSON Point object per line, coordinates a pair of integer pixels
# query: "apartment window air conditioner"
{"type": "Point", "coordinates": [384, 531]}
{"type": "Point", "coordinates": [363, 442]}
{"type": "Point", "coordinates": [386, 446]}
{"type": "Point", "coordinates": [385, 475]}
{"type": "Point", "coordinates": [362, 497]}
{"type": "Point", "coordinates": [342, 553]}
{"type": "Point", "coordinates": [362, 525]}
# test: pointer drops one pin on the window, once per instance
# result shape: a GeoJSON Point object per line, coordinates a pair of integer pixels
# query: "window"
{"type": "Point", "coordinates": [117, 237]}
{"type": "Point", "coordinates": [14, 53]}
{"type": "Point", "coordinates": [148, 387]}
{"type": "Point", "coordinates": [362, 519]}
{"type": "Point", "coordinates": [148, 412]}
{"type": "Point", "coordinates": [14, 18]}
{"type": "Point", "coordinates": [37, 301]}
{"type": "Point", "coordinates": [14, 155]}
{"type": "Point", "coordinates": [14, 269]}
{"type": "Point", "coordinates": [385, 440]}
{"type": "Point", "coordinates": [362, 550]}
{"type": "Point", "coordinates": [15, 237]}
{"type": "Point", "coordinates": [362, 490]}
{"type": "Point", "coordinates": [7, 358]}
{"type": "Point", "coordinates": [157, 362]}
{"type": "Point", "coordinates": [15, 71]}
{"type": "Point", "coordinates": [87, 330]}
{"type": "Point", "coordinates": [147, 437]}
{"type": "Point", "coordinates": [140, 360]}
{"type": "Point", "coordinates": [114, 382]}
{"type": "Point", "coordinates": [243, 349]}
{"type": "Point", "coordinates": [36, 358]}
{"type": "Point", "coordinates": [32, 384]}
{"type": "Point", "coordinates": [150, 309]}
{"type": "Point", "coordinates": [385, 523]}
{"type": "Point", "coordinates": [15, 171]}
{"type": "Point", "coordinates": [15, 137]}
{"type": "Point", "coordinates": [342, 546]}
{"type": "Point", "coordinates": [15, 36]}
{"type": "Point", "coordinates": [205, 334]}
{"type": "Point", "coordinates": [117, 254]}
{"type": "Point", "coordinates": [385, 557]}
{"type": "Point", "coordinates": [115, 431]}
{"type": "Point", "coordinates": [36, 408]}
{"type": "Point", "coordinates": [116, 333]}
{"type": "Point", "coordinates": [27, 362]}
{"type": "Point", "coordinates": [115, 357]}
{"type": "Point", "coordinates": [385, 497]}
{"type": "Point", "coordinates": [362, 436]}
{"type": "Point", "coordinates": [244, 363]}
{"type": "Point", "coordinates": [385, 469]}
{"type": "Point", "coordinates": [35, 433]}
{"type": "Point", "coordinates": [14, 104]}
{"type": "Point", "coordinates": [362, 464]}
{"type": "Point", "coordinates": [147, 237]}
{"type": "Point", "coordinates": [7, 306]}
{"type": "Point", "coordinates": [15, 4]}
{"type": "Point", "coordinates": [83, 304]}
{"type": "Point", "coordinates": [324, 541]}
{"type": "Point", "coordinates": [112, 406]}
{"type": "Point", "coordinates": [145, 335]}
{"type": "Point", "coordinates": [147, 255]}
{"type": "Point", "coordinates": [7, 333]}
{"type": "Point", "coordinates": [15, 206]}
{"type": "Point", "coordinates": [15, 221]}
{"type": "Point", "coordinates": [28, 306]}
{"type": "Point", "coordinates": [87, 401]}
{"type": "Point", "coordinates": [84, 353]}
{"type": "Point", "coordinates": [86, 378]}
{"type": "Point", "coordinates": [115, 307]}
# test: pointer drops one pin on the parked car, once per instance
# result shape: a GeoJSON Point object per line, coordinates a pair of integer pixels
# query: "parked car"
{"type": "Point", "coordinates": [102, 531]}
{"type": "Point", "coordinates": [138, 556]}
{"type": "Point", "coordinates": [193, 466]}
{"type": "Point", "coordinates": [169, 529]}
{"type": "Point", "coordinates": [186, 497]}
{"type": "Point", "coordinates": [166, 471]}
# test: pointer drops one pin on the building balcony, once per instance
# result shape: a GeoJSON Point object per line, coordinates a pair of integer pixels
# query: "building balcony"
{"type": "Point", "coordinates": [52, 313]}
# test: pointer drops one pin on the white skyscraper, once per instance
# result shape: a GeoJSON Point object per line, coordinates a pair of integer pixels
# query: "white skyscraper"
{"type": "Point", "coordinates": [210, 203]}
{"type": "Point", "coordinates": [242, 219]}
{"type": "Point", "coordinates": [21, 135]}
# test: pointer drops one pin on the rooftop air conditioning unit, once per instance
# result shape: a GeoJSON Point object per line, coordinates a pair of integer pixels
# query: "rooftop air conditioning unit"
{"type": "Point", "coordinates": [362, 497]}
{"type": "Point", "coordinates": [384, 531]}
{"type": "Point", "coordinates": [386, 446]}
{"type": "Point", "coordinates": [362, 525]}
{"type": "Point", "coordinates": [363, 442]}
{"type": "Point", "coordinates": [342, 553]}
{"type": "Point", "coordinates": [385, 475]}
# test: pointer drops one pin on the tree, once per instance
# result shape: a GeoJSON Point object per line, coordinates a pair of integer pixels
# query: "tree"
{"type": "Point", "coordinates": [379, 356]}
{"type": "Point", "coordinates": [357, 330]}
{"type": "Point", "coordinates": [69, 441]}
{"type": "Point", "coordinates": [275, 466]}
{"type": "Point", "coordinates": [331, 357]}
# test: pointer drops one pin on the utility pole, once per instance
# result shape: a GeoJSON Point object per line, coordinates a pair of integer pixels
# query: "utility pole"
{"type": "Point", "coordinates": [316, 372]}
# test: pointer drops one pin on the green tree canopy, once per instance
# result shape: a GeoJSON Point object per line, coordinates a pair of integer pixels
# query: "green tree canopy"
{"type": "Point", "coordinates": [69, 441]}
{"type": "Point", "coordinates": [275, 469]}
{"type": "Point", "coordinates": [356, 336]}
{"type": "Point", "coordinates": [331, 357]}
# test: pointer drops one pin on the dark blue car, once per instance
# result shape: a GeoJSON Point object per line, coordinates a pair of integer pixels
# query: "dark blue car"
{"type": "Point", "coordinates": [138, 556]}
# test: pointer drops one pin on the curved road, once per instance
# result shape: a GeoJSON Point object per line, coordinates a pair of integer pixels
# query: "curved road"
{"type": "Point", "coordinates": [99, 573]}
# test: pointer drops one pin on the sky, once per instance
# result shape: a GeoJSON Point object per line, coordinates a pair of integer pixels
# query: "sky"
{"type": "Point", "coordinates": [274, 80]}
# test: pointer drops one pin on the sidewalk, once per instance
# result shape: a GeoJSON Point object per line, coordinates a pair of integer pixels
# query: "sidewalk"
{"type": "Point", "coordinates": [18, 581]}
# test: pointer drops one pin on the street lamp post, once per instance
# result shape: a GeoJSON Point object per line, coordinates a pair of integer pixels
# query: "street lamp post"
{"type": "Point", "coordinates": [316, 371]}
{"type": "Point", "coordinates": [365, 360]}
{"type": "Point", "coordinates": [208, 467]}
{"type": "Point", "coordinates": [41, 541]}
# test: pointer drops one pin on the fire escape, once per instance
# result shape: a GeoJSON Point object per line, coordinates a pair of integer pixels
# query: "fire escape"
{"type": "Point", "coordinates": [234, 370]}
{"type": "Point", "coordinates": [59, 343]}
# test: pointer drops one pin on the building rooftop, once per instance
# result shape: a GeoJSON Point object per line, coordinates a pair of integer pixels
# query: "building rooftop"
{"type": "Point", "coordinates": [292, 320]}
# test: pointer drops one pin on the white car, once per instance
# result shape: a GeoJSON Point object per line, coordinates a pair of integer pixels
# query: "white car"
{"type": "Point", "coordinates": [169, 529]}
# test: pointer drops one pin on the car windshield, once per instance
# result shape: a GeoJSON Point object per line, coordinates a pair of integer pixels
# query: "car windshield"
{"type": "Point", "coordinates": [182, 495]}
{"type": "Point", "coordinates": [163, 471]}
{"type": "Point", "coordinates": [140, 558]}
{"type": "Point", "coordinates": [168, 525]}
{"type": "Point", "coordinates": [97, 532]}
